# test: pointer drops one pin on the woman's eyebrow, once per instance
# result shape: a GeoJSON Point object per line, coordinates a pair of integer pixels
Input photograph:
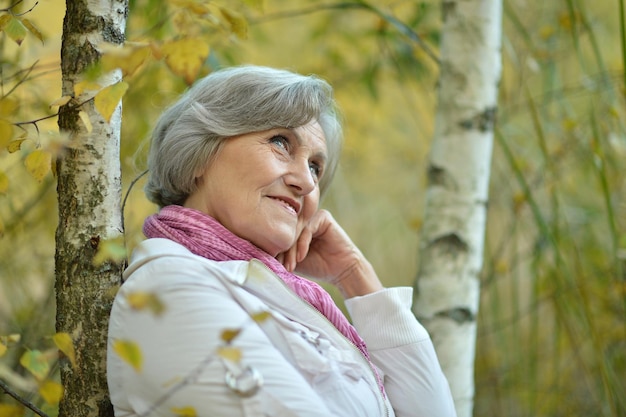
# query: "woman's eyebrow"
{"type": "Point", "coordinates": [320, 154]}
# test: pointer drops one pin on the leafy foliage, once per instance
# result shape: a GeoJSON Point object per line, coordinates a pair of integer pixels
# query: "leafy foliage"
{"type": "Point", "coordinates": [552, 326]}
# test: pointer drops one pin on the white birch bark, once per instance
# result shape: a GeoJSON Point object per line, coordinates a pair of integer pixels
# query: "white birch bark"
{"type": "Point", "coordinates": [452, 238]}
{"type": "Point", "coordinates": [89, 197]}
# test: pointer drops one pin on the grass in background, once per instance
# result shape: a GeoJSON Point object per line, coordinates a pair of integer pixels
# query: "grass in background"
{"type": "Point", "coordinates": [552, 338]}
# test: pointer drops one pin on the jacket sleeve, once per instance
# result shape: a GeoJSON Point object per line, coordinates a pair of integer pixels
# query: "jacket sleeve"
{"type": "Point", "coordinates": [180, 367]}
{"type": "Point", "coordinates": [401, 347]}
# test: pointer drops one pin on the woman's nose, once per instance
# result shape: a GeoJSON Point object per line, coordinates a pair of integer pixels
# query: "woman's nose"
{"type": "Point", "coordinates": [300, 177]}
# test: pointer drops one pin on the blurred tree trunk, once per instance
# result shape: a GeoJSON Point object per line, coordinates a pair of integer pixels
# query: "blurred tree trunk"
{"type": "Point", "coordinates": [452, 239]}
{"type": "Point", "coordinates": [89, 197]}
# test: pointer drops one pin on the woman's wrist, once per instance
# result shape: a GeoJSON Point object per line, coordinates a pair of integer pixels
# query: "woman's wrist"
{"type": "Point", "coordinates": [358, 279]}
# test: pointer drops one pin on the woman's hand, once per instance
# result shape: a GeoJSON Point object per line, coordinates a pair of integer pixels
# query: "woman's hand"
{"type": "Point", "coordinates": [325, 252]}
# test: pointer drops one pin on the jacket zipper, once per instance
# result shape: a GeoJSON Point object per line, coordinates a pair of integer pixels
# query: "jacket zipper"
{"type": "Point", "coordinates": [324, 318]}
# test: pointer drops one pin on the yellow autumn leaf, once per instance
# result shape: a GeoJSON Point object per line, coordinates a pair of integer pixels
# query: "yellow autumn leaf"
{"type": "Point", "coordinates": [157, 53]}
{"type": "Point", "coordinates": [128, 58]}
{"type": "Point", "coordinates": [229, 353]}
{"type": "Point", "coordinates": [3, 348]}
{"type": "Point", "coordinates": [257, 4]}
{"type": "Point", "coordinates": [36, 363]}
{"type": "Point", "coordinates": [4, 183]}
{"type": "Point", "coordinates": [108, 99]}
{"type": "Point", "coordinates": [261, 316]}
{"type": "Point", "coordinates": [184, 411]}
{"type": "Point", "coordinates": [51, 392]}
{"type": "Point", "coordinates": [229, 334]}
{"type": "Point", "coordinates": [238, 24]}
{"type": "Point", "coordinates": [32, 29]}
{"type": "Point", "coordinates": [38, 163]}
{"type": "Point", "coordinates": [86, 86]}
{"type": "Point", "coordinates": [15, 145]}
{"type": "Point", "coordinates": [61, 101]}
{"type": "Point", "coordinates": [8, 106]}
{"type": "Point", "coordinates": [194, 6]}
{"type": "Point", "coordinates": [9, 410]}
{"type": "Point", "coordinates": [4, 19]}
{"type": "Point", "coordinates": [185, 57]}
{"type": "Point", "coordinates": [113, 250]}
{"type": "Point", "coordinates": [129, 352]}
{"type": "Point", "coordinates": [84, 117]}
{"type": "Point", "coordinates": [64, 343]}
{"type": "Point", "coordinates": [6, 132]}
{"type": "Point", "coordinates": [146, 301]}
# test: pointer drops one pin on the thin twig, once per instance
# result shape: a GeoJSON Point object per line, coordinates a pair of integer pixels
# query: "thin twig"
{"type": "Point", "coordinates": [29, 10]}
{"type": "Point", "coordinates": [8, 9]}
{"type": "Point", "coordinates": [130, 187]}
{"type": "Point", "coordinates": [402, 27]}
{"type": "Point", "coordinates": [35, 121]}
{"type": "Point", "coordinates": [21, 400]}
{"type": "Point", "coordinates": [23, 80]}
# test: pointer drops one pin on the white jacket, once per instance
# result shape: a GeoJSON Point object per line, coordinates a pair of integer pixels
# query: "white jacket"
{"type": "Point", "coordinates": [293, 361]}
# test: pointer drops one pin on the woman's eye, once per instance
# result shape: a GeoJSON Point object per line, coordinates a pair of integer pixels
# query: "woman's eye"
{"type": "Point", "coordinates": [316, 169]}
{"type": "Point", "coordinates": [281, 141]}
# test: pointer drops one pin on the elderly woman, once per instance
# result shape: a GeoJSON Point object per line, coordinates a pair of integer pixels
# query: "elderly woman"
{"type": "Point", "coordinates": [237, 167]}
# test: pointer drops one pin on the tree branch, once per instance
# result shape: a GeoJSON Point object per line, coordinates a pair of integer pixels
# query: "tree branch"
{"type": "Point", "coordinates": [22, 401]}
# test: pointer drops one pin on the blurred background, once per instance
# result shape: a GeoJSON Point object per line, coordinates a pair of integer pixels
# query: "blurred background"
{"type": "Point", "coordinates": [552, 324]}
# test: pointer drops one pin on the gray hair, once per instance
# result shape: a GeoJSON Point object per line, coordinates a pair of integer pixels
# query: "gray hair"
{"type": "Point", "coordinates": [231, 102]}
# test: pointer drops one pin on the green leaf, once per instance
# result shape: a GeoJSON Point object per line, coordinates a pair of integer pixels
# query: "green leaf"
{"type": "Point", "coordinates": [112, 250]}
{"type": "Point", "coordinates": [35, 362]}
{"type": "Point", "coordinates": [15, 30]}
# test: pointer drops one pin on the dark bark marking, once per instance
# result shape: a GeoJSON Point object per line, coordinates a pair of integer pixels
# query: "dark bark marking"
{"type": "Point", "coordinates": [450, 244]}
{"type": "Point", "coordinates": [459, 315]}
{"type": "Point", "coordinates": [438, 176]}
{"type": "Point", "coordinates": [447, 8]}
{"type": "Point", "coordinates": [483, 122]}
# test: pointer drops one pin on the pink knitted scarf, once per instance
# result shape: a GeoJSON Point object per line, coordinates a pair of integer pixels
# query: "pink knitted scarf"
{"type": "Point", "coordinates": [206, 237]}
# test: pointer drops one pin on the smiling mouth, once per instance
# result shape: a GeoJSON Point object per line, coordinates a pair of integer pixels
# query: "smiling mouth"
{"type": "Point", "coordinates": [286, 204]}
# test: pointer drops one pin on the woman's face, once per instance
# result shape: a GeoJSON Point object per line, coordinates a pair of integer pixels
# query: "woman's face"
{"type": "Point", "coordinates": [263, 186]}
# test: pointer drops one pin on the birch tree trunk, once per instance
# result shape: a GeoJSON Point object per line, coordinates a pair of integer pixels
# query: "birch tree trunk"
{"type": "Point", "coordinates": [452, 239]}
{"type": "Point", "coordinates": [89, 198]}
